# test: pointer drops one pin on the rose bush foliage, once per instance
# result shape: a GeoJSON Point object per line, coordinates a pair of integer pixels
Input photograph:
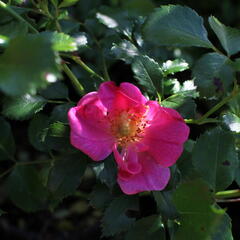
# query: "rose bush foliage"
{"type": "Point", "coordinates": [158, 115]}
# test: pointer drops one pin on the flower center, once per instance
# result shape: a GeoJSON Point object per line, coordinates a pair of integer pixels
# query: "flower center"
{"type": "Point", "coordinates": [128, 127]}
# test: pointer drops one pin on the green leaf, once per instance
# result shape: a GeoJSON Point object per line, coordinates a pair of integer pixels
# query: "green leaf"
{"type": "Point", "coordinates": [164, 204]}
{"type": "Point", "coordinates": [115, 220]}
{"type": "Point", "coordinates": [37, 130]}
{"type": "Point", "coordinates": [57, 90]}
{"type": "Point", "coordinates": [215, 158]}
{"type": "Point", "coordinates": [108, 171]}
{"type": "Point", "coordinates": [141, 7]}
{"type": "Point", "coordinates": [63, 42]}
{"type": "Point", "coordinates": [198, 217]}
{"type": "Point", "coordinates": [234, 105]}
{"type": "Point", "coordinates": [58, 129]}
{"type": "Point", "coordinates": [232, 121]}
{"type": "Point", "coordinates": [174, 25]}
{"type": "Point", "coordinates": [60, 112]}
{"type": "Point", "coordinates": [212, 74]}
{"type": "Point", "coordinates": [66, 174]}
{"type": "Point", "coordinates": [26, 63]}
{"type": "Point", "coordinates": [100, 196]}
{"type": "Point", "coordinates": [229, 37]}
{"type": "Point", "coordinates": [13, 29]}
{"type": "Point", "coordinates": [67, 3]}
{"type": "Point", "coordinates": [223, 232]}
{"type": "Point", "coordinates": [125, 51]}
{"type": "Point", "coordinates": [149, 227]}
{"type": "Point", "coordinates": [171, 67]}
{"type": "Point", "coordinates": [24, 107]}
{"type": "Point", "coordinates": [185, 105]}
{"type": "Point", "coordinates": [7, 143]}
{"type": "Point", "coordinates": [148, 73]}
{"type": "Point", "coordinates": [26, 190]}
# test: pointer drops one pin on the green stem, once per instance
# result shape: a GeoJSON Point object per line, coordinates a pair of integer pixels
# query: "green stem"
{"type": "Point", "coordinates": [196, 121]}
{"type": "Point", "coordinates": [8, 9]}
{"type": "Point", "coordinates": [7, 171]}
{"type": "Point", "coordinates": [228, 194]}
{"type": "Point", "coordinates": [56, 101]}
{"type": "Point", "coordinates": [33, 162]}
{"type": "Point", "coordinates": [22, 164]}
{"type": "Point", "coordinates": [85, 67]}
{"type": "Point", "coordinates": [77, 85]}
{"type": "Point", "coordinates": [205, 119]}
{"type": "Point", "coordinates": [105, 71]}
{"type": "Point", "coordinates": [218, 51]}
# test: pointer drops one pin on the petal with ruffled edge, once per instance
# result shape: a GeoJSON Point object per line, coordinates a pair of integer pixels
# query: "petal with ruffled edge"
{"type": "Point", "coordinates": [90, 128]}
{"type": "Point", "coordinates": [166, 125]}
{"type": "Point", "coordinates": [152, 177]}
{"type": "Point", "coordinates": [127, 161]}
{"type": "Point", "coordinates": [121, 97]}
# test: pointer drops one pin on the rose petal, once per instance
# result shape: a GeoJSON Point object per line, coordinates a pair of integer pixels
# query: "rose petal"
{"type": "Point", "coordinates": [127, 161]}
{"type": "Point", "coordinates": [120, 98]}
{"type": "Point", "coordinates": [167, 125]}
{"type": "Point", "coordinates": [152, 177]}
{"type": "Point", "coordinates": [90, 129]}
{"type": "Point", "coordinates": [164, 153]}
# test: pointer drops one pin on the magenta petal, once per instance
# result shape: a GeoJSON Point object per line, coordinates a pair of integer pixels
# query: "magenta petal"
{"type": "Point", "coordinates": [166, 127]}
{"type": "Point", "coordinates": [128, 160]}
{"type": "Point", "coordinates": [153, 177]}
{"type": "Point", "coordinates": [120, 98]}
{"type": "Point", "coordinates": [95, 149]}
{"type": "Point", "coordinates": [90, 128]}
{"type": "Point", "coordinates": [132, 92]}
{"type": "Point", "coordinates": [164, 153]}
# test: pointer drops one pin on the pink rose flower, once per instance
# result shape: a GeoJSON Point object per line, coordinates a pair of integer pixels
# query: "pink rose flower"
{"type": "Point", "coordinates": [145, 138]}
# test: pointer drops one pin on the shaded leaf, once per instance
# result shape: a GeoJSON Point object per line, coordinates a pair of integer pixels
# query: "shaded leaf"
{"type": "Point", "coordinates": [175, 25]}
{"type": "Point", "coordinates": [37, 130]}
{"type": "Point", "coordinates": [229, 37]}
{"type": "Point", "coordinates": [147, 228]}
{"type": "Point", "coordinates": [7, 143]}
{"type": "Point", "coordinates": [115, 219]}
{"type": "Point", "coordinates": [215, 158]}
{"type": "Point", "coordinates": [25, 64]}
{"type": "Point", "coordinates": [57, 90]}
{"type": "Point", "coordinates": [26, 190]}
{"type": "Point", "coordinates": [24, 107]}
{"type": "Point", "coordinates": [108, 173]}
{"type": "Point", "coordinates": [197, 216]}
{"type": "Point", "coordinates": [165, 205]}
{"type": "Point", "coordinates": [66, 174]}
{"type": "Point", "coordinates": [212, 74]}
{"type": "Point", "coordinates": [100, 196]}
{"type": "Point", "coordinates": [224, 230]}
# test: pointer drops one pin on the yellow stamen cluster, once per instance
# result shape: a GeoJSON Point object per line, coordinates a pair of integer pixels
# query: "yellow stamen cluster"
{"type": "Point", "coordinates": [128, 127]}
